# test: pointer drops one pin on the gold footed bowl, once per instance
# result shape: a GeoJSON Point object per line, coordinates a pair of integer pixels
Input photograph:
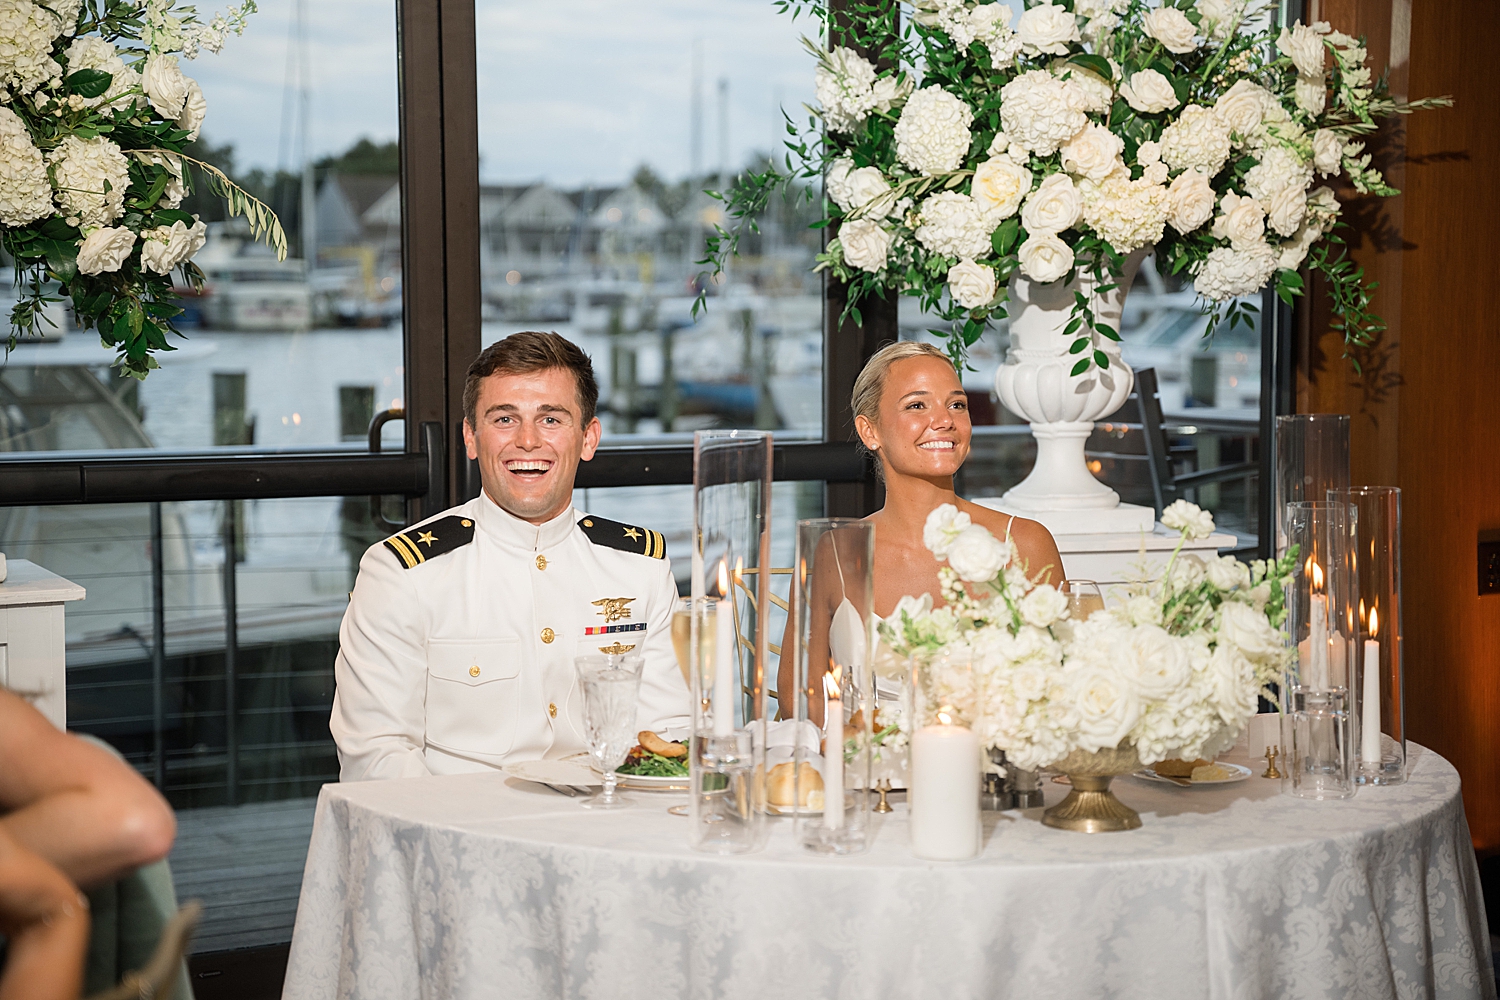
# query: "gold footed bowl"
{"type": "Point", "coordinates": [1091, 807]}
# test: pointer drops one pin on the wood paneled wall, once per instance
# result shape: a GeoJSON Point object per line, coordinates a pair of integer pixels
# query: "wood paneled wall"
{"type": "Point", "coordinates": [1427, 410]}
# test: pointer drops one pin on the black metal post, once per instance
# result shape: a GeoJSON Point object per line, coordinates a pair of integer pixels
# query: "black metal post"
{"type": "Point", "coordinates": [158, 651]}
{"type": "Point", "coordinates": [231, 649]}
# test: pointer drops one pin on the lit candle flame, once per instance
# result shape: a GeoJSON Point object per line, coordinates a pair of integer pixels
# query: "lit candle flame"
{"type": "Point", "coordinates": [831, 688]}
{"type": "Point", "coordinates": [1374, 623]}
{"type": "Point", "coordinates": [723, 577]}
{"type": "Point", "coordinates": [1317, 576]}
{"type": "Point", "coordinates": [944, 717]}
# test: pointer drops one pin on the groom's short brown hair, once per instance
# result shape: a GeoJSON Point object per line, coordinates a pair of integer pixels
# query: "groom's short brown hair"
{"type": "Point", "coordinates": [526, 352]}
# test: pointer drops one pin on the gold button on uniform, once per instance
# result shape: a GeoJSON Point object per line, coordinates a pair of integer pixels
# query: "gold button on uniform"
{"type": "Point", "coordinates": [552, 709]}
{"type": "Point", "coordinates": [548, 635]}
{"type": "Point", "coordinates": [466, 523]}
{"type": "Point", "coordinates": [473, 671]}
{"type": "Point", "coordinates": [541, 562]}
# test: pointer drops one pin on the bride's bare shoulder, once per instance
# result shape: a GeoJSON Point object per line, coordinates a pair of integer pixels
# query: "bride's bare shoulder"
{"type": "Point", "coordinates": [1034, 543]}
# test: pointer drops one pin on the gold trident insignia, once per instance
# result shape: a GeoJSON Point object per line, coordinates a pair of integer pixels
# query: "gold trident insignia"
{"type": "Point", "coordinates": [613, 608]}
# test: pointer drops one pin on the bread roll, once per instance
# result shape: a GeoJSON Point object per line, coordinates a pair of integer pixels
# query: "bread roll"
{"type": "Point", "coordinates": [1212, 772]}
{"type": "Point", "coordinates": [781, 784]}
{"type": "Point", "coordinates": [1179, 768]}
{"type": "Point", "coordinates": [659, 746]}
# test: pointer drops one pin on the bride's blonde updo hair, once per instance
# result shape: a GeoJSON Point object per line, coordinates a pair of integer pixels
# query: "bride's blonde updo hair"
{"type": "Point", "coordinates": [870, 386]}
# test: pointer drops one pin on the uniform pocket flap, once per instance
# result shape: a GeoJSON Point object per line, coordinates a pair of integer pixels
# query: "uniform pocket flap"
{"type": "Point", "coordinates": [474, 661]}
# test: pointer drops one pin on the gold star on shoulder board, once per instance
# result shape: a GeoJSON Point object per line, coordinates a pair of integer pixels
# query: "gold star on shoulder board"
{"type": "Point", "coordinates": [632, 534]}
{"type": "Point", "coordinates": [427, 538]}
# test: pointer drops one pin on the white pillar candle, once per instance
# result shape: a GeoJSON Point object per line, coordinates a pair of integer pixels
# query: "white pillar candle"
{"type": "Point", "coordinates": [1369, 733]}
{"type": "Point", "coordinates": [724, 668]}
{"type": "Point", "coordinates": [833, 759]}
{"type": "Point", "coordinates": [1318, 643]}
{"type": "Point", "coordinates": [944, 795]}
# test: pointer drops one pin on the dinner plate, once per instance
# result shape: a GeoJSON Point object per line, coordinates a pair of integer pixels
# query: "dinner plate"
{"type": "Point", "coordinates": [569, 771]}
{"type": "Point", "coordinates": [638, 782]}
{"type": "Point", "coordinates": [1236, 773]}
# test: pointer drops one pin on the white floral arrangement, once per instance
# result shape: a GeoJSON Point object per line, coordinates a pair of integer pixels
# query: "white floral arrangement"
{"type": "Point", "coordinates": [95, 115]}
{"type": "Point", "coordinates": [1174, 669]}
{"type": "Point", "coordinates": [1057, 137]}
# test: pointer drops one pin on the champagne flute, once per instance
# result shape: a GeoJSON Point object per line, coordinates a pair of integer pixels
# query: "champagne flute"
{"type": "Point", "coordinates": [611, 692]}
{"type": "Point", "coordinates": [1084, 598]}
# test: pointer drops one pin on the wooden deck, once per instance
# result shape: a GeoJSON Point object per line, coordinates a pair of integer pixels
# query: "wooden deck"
{"type": "Point", "coordinates": [245, 864]}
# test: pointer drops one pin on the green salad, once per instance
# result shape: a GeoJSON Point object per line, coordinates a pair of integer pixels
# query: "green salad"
{"type": "Point", "coordinates": [645, 764]}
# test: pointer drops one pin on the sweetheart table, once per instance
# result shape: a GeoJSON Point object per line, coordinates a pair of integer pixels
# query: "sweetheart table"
{"type": "Point", "coordinates": [486, 886]}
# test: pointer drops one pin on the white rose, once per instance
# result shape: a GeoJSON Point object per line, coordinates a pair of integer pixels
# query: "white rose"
{"type": "Point", "coordinates": [889, 91]}
{"type": "Point", "coordinates": [1294, 251]}
{"type": "Point", "coordinates": [105, 250]}
{"type": "Point", "coordinates": [1045, 258]}
{"type": "Point", "coordinates": [1028, 682]}
{"type": "Point", "coordinates": [1234, 687]}
{"type": "Point", "coordinates": [999, 185]}
{"type": "Point", "coordinates": [1047, 28]}
{"type": "Point", "coordinates": [1149, 92]}
{"type": "Point", "coordinates": [1311, 94]}
{"type": "Point", "coordinates": [1241, 221]}
{"type": "Point", "coordinates": [1328, 151]}
{"type": "Point", "coordinates": [194, 109]}
{"type": "Point", "coordinates": [1143, 610]}
{"type": "Point", "coordinates": [1228, 573]}
{"type": "Point", "coordinates": [1161, 663]}
{"type": "Point", "coordinates": [912, 607]}
{"type": "Point", "coordinates": [1249, 631]}
{"type": "Point", "coordinates": [866, 245]}
{"type": "Point", "coordinates": [1107, 707]}
{"type": "Point", "coordinates": [978, 556]}
{"type": "Point", "coordinates": [1323, 206]}
{"type": "Point", "coordinates": [1156, 173]}
{"type": "Point", "coordinates": [1148, 153]}
{"type": "Point", "coordinates": [1055, 205]}
{"type": "Point", "coordinates": [836, 182]}
{"type": "Point", "coordinates": [164, 247]}
{"type": "Point", "coordinates": [868, 192]}
{"type": "Point", "coordinates": [1000, 144]}
{"type": "Point", "coordinates": [1171, 27]}
{"type": "Point", "coordinates": [1094, 153]}
{"type": "Point", "coordinates": [1287, 209]}
{"type": "Point", "coordinates": [971, 285]}
{"type": "Point", "coordinates": [1190, 519]}
{"type": "Point", "coordinates": [1304, 46]}
{"type": "Point", "coordinates": [1043, 606]}
{"type": "Point", "coordinates": [165, 85]}
{"type": "Point", "coordinates": [1243, 107]}
{"type": "Point", "coordinates": [943, 525]}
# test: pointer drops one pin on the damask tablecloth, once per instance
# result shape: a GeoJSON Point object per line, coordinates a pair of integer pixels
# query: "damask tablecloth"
{"type": "Point", "coordinates": [485, 886]}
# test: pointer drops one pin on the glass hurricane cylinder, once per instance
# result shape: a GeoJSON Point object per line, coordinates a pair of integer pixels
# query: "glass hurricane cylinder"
{"type": "Point", "coordinates": [947, 760]}
{"type": "Point", "coordinates": [726, 640]}
{"type": "Point", "coordinates": [832, 619]}
{"type": "Point", "coordinates": [1379, 703]}
{"type": "Point", "coordinates": [1322, 623]}
{"type": "Point", "coordinates": [1312, 457]}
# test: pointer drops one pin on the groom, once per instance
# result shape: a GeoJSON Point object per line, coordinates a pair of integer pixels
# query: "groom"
{"type": "Point", "coordinates": [456, 652]}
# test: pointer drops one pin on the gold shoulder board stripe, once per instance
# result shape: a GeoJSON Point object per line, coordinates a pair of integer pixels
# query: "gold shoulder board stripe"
{"type": "Point", "coordinates": [430, 539]}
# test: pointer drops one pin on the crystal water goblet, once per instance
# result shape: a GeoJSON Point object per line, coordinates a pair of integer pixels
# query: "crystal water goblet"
{"type": "Point", "coordinates": [611, 692]}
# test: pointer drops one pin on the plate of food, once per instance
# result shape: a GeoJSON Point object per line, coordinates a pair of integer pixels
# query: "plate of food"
{"type": "Point", "coordinates": [655, 763]}
{"type": "Point", "coordinates": [1191, 773]}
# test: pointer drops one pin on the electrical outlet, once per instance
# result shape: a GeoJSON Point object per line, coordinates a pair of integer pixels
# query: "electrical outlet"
{"type": "Point", "coordinates": [1489, 567]}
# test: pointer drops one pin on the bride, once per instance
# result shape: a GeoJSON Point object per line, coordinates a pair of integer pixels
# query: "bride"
{"type": "Point", "coordinates": [911, 412]}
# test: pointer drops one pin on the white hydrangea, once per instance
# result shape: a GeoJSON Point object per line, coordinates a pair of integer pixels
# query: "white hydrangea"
{"type": "Point", "coordinates": [1279, 168]}
{"type": "Point", "coordinates": [25, 194]}
{"type": "Point", "coordinates": [845, 87]}
{"type": "Point", "coordinates": [93, 52]}
{"type": "Point", "coordinates": [1036, 114]}
{"type": "Point", "coordinates": [1085, 91]}
{"type": "Point", "coordinates": [952, 225]}
{"type": "Point", "coordinates": [91, 177]}
{"type": "Point", "coordinates": [1129, 214]}
{"type": "Point", "coordinates": [990, 23]}
{"type": "Point", "coordinates": [1198, 139]}
{"type": "Point", "coordinates": [1227, 272]}
{"type": "Point", "coordinates": [1217, 18]}
{"type": "Point", "coordinates": [932, 135]}
{"type": "Point", "coordinates": [26, 34]}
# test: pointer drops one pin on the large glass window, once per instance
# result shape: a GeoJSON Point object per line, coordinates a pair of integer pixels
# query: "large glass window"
{"type": "Point", "coordinates": [601, 126]}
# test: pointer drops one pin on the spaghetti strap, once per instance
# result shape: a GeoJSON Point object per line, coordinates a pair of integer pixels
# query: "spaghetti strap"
{"type": "Point", "coordinates": [1007, 526]}
{"type": "Point", "coordinates": [843, 587]}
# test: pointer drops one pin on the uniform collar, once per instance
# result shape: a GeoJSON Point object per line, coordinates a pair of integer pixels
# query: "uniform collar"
{"type": "Point", "coordinates": [500, 524]}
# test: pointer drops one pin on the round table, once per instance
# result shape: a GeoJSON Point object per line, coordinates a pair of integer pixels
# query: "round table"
{"type": "Point", "coordinates": [486, 886]}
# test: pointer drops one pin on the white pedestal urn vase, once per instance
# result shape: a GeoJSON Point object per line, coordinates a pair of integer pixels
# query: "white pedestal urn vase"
{"type": "Point", "coordinates": [1034, 383]}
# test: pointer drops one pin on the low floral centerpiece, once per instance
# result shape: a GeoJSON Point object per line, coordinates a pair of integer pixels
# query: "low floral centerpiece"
{"type": "Point", "coordinates": [95, 118]}
{"type": "Point", "coordinates": [1172, 670]}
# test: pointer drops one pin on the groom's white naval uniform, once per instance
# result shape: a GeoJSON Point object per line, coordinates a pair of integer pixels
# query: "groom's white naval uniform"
{"type": "Point", "coordinates": [456, 652]}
